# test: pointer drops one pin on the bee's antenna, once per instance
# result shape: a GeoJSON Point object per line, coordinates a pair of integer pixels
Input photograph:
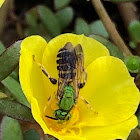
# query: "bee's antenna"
{"type": "Point", "coordinates": [51, 117]}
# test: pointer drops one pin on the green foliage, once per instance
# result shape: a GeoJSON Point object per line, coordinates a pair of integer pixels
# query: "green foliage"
{"type": "Point", "coordinates": [98, 28]}
{"type": "Point", "coordinates": [37, 30]}
{"type": "Point", "coordinates": [10, 129]}
{"type": "Point", "coordinates": [81, 27]}
{"type": "Point", "coordinates": [114, 51]}
{"type": "Point", "coordinates": [132, 63]}
{"type": "Point", "coordinates": [49, 23]}
{"type": "Point", "coordinates": [49, 20]}
{"type": "Point", "coordinates": [31, 19]}
{"type": "Point", "coordinates": [2, 48]}
{"type": "Point", "coordinates": [14, 87]}
{"type": "Point", "coordinates": [34, 26]}
{"type": "Point", "coordinates": [64, 17]}
{"type": "Point", "coordinates": [132, 44]}
{"type": "Point", "coordinates": [61, 3]}
{"type": "Point", "coordinates": [4, 90]}
{"type": "Point", "coordinates": [31, 135]}
{"type": "Point", "coordinates": [134, 30]}
{"type": "Point", "coordinates": [9, 60]}
{"type": "Point", "coordinates": [14, 75]}
{"type": "Point", "coordinates": [15, 110]}
{"type": "Point", "coordinates": [2, 95]}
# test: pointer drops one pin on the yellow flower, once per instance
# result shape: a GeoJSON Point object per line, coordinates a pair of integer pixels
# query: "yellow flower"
{"type": "Point", "coordinates": [109, 89]}
{"type": "Point", "coordinates": [1, 2]}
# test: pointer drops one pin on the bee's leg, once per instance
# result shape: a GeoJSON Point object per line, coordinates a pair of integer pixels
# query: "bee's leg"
{"type": "Point", "coordinates": [53, 80]}
{"type": "Point", "coordinates": [81, 85]}
{"type": "Point", "coordinates": [49, 100]}
{"type": "Point", "coordinates": [87, 103]}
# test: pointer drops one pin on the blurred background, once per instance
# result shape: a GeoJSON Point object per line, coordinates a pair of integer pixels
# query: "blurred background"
{"type": "Point", "coordinates": [49, 18]}
{"type": "Point", "coordinates": [21, 19]}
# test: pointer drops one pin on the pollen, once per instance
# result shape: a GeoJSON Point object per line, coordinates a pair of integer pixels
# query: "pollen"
{"type": "Point", "coordinates": [61, 126]}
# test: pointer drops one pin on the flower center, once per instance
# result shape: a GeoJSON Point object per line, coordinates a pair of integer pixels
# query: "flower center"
{"type": "Point", "coordinates": [57, 125]}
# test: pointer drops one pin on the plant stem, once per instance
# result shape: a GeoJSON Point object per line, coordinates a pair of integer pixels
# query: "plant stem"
{"type": "Point", "coordinates": [128, 12]}
{"type": "Point", "coordinates": [110, 27]}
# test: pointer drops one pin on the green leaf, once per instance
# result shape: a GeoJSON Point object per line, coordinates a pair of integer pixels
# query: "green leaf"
{"type": "Point", "coordinates": [31, 135]}
{"type": "Point", "coordinates": [61, 3]}
{"type": "Point", "coordinates": [82, 27]}
{"type": "Point", "coordinates": [31, 20]}
{"type": "Point", "coordinates": [64, 17]}
{"type": "Point", "coordinates": [32, 17]}
{"type": "Point", "coordinates": [2, 95]}
{"type": "Point", "coordinates": [14, 87]}
{"type": "Point", "coordinates": [31, 31]}
{"type": "Point", "coordinates": [132, 63]}
{"type": "Point", "coordinates": [134, 30]}
{"type": "Point", "coordinates": [15, 110]}
{"type": "Point", "coordinates": [4, 90]}
{"type": "Point", "coordinates": [114, 51]}
{"type": "Point", "coordinates": [10, 129]}
{"type": "Point", "coordinates": [98, 28]}
{"type": "Point", "coordinates": [49, 20]}
{"type": "Point", "coordinates": [40, 31]}
{"type": "Point", "coordinates": [14, 75]}
{"type": "Point", "coordinates": [2, 48]}
{"type": "Point", "coordinates": [9, 60]}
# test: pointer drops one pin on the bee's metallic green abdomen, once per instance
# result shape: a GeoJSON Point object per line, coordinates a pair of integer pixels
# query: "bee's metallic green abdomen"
{"type": "Point", "coordinates": [65, 104]}
{"type": "Point", "coordinates": [67, 100]}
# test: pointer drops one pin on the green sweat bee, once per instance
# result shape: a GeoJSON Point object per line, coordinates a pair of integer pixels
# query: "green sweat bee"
{"type": "Point", "coordinates": [72, 77]}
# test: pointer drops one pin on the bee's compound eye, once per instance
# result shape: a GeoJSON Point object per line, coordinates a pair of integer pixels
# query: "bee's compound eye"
{"type": "Point", "coordinates": [57, 113]}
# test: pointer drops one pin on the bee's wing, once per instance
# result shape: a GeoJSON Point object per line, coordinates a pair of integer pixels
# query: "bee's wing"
{"type": "Point", "coordinates": [62, 82]}
{"type": "Point", "coordinates": [69, 46]}
{"type": "Point", "coordinates": [80, 71]}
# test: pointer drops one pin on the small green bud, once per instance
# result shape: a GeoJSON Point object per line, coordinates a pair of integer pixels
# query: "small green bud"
{"type": "Point", "coordinates": [132, 63]}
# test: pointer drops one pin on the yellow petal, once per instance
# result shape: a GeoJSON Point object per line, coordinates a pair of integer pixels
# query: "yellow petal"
{"type": "Point", "coordinates": [31, 77]}
{"type": "Point", "coordinates": [30, 73]}
{"type": "Point", "coordinates": [117, 131]}
{"type": "Point", "coordinates": [110, 90]}
{"type": "Point", "coordinates": [72, 138]}
{"type": "Point", "coordinates": [32, 83]}
{"type": "Point", "coordinates": [111, 132]}
{"type": "Point", "coordinates": [92, 50]}
{"type": "Point", "coordinates": [39, 118]}
{"type": "Point", "coordinates": [1, 2]}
